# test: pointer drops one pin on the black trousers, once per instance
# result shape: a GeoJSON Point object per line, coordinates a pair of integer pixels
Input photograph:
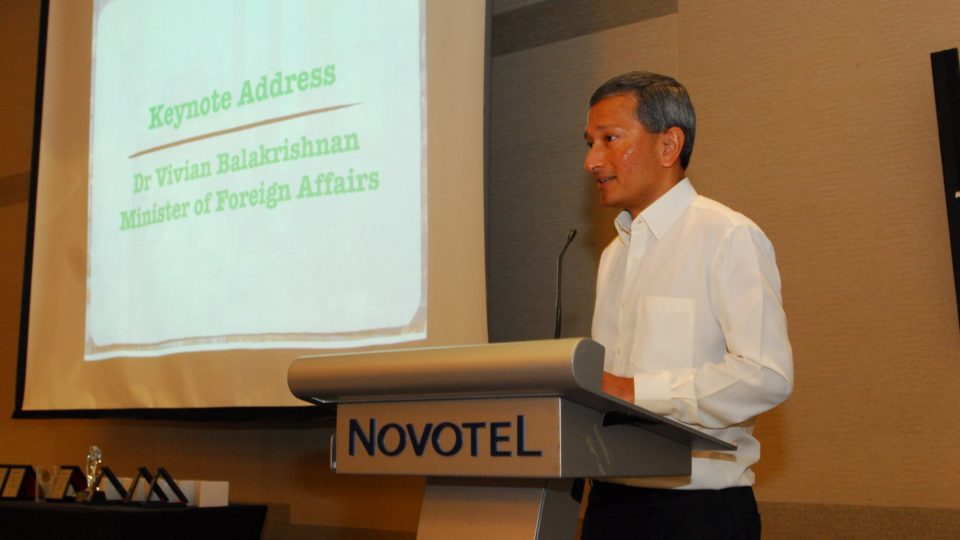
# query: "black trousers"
{"type": "Point", "coordinates": [616, 511]}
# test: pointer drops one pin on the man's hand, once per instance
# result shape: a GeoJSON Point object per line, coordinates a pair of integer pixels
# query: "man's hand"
{"type": "Point", "coordinates": [621, 387]}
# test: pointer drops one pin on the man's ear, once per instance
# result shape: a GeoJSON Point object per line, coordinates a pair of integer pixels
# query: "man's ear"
{"type": "Point", "coordinates": [672, 143]}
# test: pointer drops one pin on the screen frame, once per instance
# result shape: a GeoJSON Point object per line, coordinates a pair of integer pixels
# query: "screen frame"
{"type": "Point", "coordinates": [306, 412]}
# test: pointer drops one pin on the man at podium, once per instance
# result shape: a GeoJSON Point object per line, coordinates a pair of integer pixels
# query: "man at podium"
{"type": "Point", "coordinates": [689, 311]}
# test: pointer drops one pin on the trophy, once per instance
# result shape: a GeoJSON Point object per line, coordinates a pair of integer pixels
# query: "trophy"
{"type": "Point", "coordinates": [46, 481]}
{"type": "Point", "coordinates": [94, 459]}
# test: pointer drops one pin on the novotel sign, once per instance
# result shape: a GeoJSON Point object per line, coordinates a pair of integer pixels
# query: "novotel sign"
{"type": "Point", "coordinates": [447, 438]}
{"type": "Point", "coordinates": [456, 437]}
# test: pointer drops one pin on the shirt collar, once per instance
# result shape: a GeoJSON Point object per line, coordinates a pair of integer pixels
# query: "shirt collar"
{"type": "Point", "coordinates": [659, 216]}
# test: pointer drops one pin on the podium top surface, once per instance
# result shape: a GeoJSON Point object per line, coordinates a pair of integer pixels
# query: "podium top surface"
{"type": "Point", "coordinates": [570, 368]}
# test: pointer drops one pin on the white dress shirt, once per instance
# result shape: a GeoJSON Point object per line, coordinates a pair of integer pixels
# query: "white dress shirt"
{"type": "Point", "coordinates": [688, 305]}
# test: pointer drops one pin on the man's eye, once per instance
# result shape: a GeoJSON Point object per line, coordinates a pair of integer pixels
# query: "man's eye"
{"type": "Point", "coordinates": [609, 138]}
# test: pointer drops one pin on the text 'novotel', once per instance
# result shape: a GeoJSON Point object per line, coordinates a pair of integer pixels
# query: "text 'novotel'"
{"type": "Point", "coordinates": [494, 439]}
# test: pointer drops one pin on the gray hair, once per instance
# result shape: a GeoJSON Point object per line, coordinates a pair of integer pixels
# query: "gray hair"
{"type": "Point", "coordinates": [662, 103]}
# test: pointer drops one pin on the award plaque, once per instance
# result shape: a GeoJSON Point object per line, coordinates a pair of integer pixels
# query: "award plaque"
{"type": "Point", "coordinates": [62, 486]}
{"type": "Point", "coordinates": [11, 488]}
{"type": "Point", "coordinates": [114, 493]}
{"type": "Point", "coordinates": [70, 482]}
{"type": "Point", "coordinates": [20, 484]}
{"type": "Point", "coordinates": [3, 476]}
{"type": "Point", "coordinates": [143, 475]}
{"type": "Point", "coordinates": [167, 482]}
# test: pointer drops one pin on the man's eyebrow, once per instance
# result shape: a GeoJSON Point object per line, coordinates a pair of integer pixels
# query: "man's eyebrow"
{"type": "Point", "coordinates": [599, 129]}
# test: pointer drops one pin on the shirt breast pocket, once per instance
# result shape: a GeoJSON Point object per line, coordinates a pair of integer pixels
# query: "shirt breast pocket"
{"type": "Point", "coordinates": [663, 338]}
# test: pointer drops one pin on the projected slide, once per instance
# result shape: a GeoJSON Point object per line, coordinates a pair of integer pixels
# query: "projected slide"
{"type": "Point", "coordinates": [256, 176]}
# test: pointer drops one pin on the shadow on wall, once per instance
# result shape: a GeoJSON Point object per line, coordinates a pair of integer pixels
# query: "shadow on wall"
{"type": "Point", "coordinates": [14, 189]}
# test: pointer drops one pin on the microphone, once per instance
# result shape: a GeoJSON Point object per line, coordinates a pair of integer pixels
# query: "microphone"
{"type": "Point", "coordinates": [570, 236]}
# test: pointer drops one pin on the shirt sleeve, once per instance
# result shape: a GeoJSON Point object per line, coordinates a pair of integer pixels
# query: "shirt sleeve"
{"type": "Point", "coordinates": [756, 373]}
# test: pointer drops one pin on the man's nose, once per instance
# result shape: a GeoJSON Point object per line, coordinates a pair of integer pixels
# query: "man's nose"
{"type": "Point", "coordinates": [593, 159]}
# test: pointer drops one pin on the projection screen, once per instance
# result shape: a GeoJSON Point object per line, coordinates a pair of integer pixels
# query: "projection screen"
{"type": "Point", "coordinates": [223, 186]}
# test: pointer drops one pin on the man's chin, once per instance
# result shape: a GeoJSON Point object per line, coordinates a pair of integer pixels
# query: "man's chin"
{"type": "Point", "coordinates": [610, 201]}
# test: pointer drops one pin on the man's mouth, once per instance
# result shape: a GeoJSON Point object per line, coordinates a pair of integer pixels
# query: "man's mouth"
{"type": "Point", "coordinates": [605, 179]}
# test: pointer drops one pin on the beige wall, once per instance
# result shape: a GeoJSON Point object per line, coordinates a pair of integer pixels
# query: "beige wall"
{"type": "Point", "coordinates": [816, 120]}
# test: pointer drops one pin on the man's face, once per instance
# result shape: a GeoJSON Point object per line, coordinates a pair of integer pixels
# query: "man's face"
{"type": "Point", "coordinates": [624, 158]}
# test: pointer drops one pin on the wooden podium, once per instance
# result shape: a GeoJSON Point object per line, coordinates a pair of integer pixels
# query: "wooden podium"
{"type": "Point", "coordinates": [500, 431]}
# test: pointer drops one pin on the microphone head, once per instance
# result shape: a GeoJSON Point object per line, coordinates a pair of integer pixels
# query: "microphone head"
{"type": "Point", "coordinates": [572, 234]}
